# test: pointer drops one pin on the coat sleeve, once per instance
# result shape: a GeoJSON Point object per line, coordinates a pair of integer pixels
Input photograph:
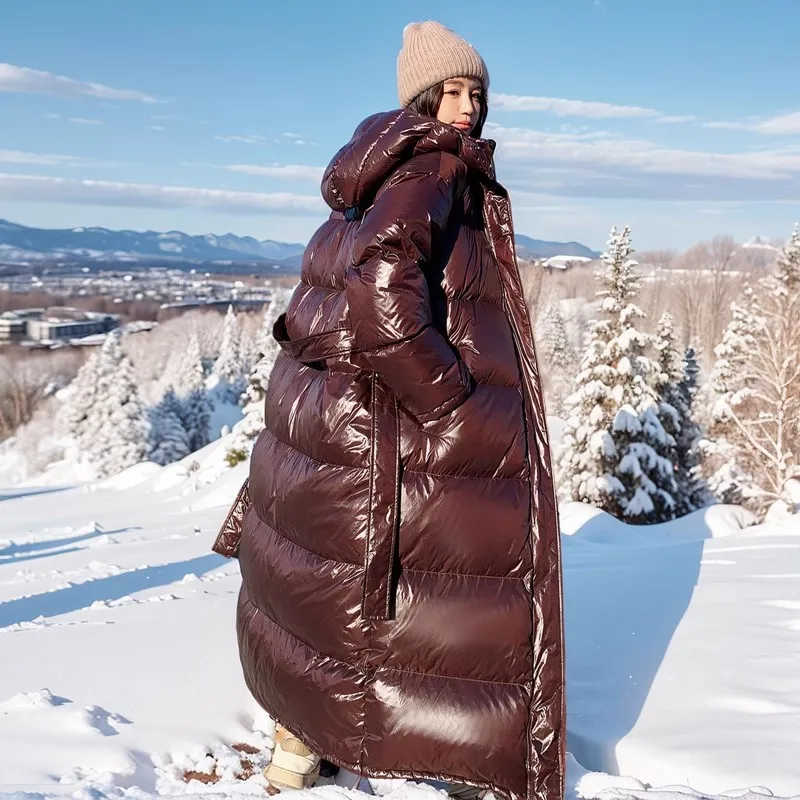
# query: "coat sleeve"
{"type": "Point", "coordinates": [389, 299]}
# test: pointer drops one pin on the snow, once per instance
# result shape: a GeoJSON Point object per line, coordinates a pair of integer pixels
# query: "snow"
{"type": "Point", "coordinates": [757, 242]}
{"type": "Point", "coordinates": [680, 641]}
{"type": "Point", "coordinates": [121, 670]}
{"type": "Point", "coordinates": [564, 262]}
{"type": "Point", "coordinates": [170, 247]}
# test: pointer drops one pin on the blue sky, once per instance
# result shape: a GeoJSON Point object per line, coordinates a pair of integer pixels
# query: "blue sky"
{"type": "Point", "coordinates": [679, 118]}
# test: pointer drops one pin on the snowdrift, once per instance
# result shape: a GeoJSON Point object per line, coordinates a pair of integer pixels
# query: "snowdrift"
{"type": "Point", "coordinates": [120, 673]}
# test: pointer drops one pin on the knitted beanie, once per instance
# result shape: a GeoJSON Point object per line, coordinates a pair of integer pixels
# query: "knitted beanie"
{"type": "Point", "coordinates": [432, 54]}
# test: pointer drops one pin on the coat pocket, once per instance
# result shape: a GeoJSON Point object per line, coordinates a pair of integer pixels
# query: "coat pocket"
{"type": "Point", "coordinates": [384, 503]}
{"type": "Point", "coordinates": [230, 533]}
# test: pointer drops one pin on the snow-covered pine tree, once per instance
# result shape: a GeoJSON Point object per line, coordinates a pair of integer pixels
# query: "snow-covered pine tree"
{"type": "Point", "coordinates": [760, 418]}
{"type": "Point", "coordinates": [118, 428]}
{"type": "Point", "coordinates": [691, 373]}
{"type": "Point", "coordinates": [169, 440]}
{"type": "Point", "coordinates": [729, 387]}
{"type": "Point", "coordinates": [557, 354]}
{"type": "Point", "coordinates": [196, 418]}
{"type": "Point", "coordinates": [696, 491]}
{"type": "Point", "coordinates": [252, 341]}
{"type": "Point", "coordinates": [676, 394]}
{"type": "Point", "coordinates": [191, 391]}
{"type": "Point", "coordinates": [552, 340]}
{"type": "Point", "coordinates": [268, 348]}
{"type": "Point", "coordinates": [229, 367]}
{"type": "Point", "coordinates": [614, 436]}
{"type": "Point", "coordinates": [188, 374]}
{"type": "Point", "coordinates": [252, 399]}
{"type": "Point", "coordinates": [79, 399]}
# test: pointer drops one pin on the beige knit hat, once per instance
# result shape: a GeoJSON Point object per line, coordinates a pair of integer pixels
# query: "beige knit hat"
{"type": "Point", "coordinates": [431, 54]}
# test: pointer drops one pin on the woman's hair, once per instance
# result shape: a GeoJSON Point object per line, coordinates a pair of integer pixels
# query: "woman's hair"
{"type": "Point", "coordinates": [427, 103]}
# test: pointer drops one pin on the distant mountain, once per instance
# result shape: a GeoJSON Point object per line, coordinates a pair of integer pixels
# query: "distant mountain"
{"type": "Point", "coordinates": [19, 243]}
{"type": "Point", "coordinates": [23, 245]}
{"type": "Point", "coordinates": [537, 248]}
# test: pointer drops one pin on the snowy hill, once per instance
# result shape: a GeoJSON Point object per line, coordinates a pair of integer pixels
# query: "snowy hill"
{"type": "Point", "coordinates": [21, 243]}
{"type": "Point", "coordinates": [120, 673]}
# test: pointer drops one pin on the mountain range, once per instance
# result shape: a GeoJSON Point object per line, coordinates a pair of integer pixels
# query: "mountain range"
{"type": "Point", "coordinates": [20, 244]}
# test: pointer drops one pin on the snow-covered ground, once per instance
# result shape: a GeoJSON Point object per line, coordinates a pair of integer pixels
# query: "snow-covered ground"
{"type": "Point", "coordinates": [119, 672]}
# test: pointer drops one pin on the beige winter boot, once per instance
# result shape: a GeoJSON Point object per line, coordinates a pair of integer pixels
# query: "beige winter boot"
{"type": "Point", "coordinates": [293, 765]}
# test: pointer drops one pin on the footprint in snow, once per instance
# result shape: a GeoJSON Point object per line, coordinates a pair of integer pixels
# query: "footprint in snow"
{"type": "Point", "coordinates": [162, 598]}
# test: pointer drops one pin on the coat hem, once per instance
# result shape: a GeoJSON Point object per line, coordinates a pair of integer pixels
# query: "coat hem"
{"type": "Point", "coordinates": [370, 772]}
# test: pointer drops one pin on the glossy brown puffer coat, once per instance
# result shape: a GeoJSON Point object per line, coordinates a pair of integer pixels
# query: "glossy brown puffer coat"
{"type": "Point", "coordinates": [401, 601]}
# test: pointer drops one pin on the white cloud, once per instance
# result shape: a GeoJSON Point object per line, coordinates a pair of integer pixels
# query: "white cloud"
{"type": "Point", "coordinates": [35, 81]}
{"type": "Point", "coordinates": [781, 125]}
{"type": "Point", "coordinates": [42, 159]}
{"type": "Point", "coordinates": [286, 171]}
{"type": "Point", "coordinates": [727, 125]}
{"type": "Point", "coordinates": [243, 138]}
{"type": "Point", "coordinates": [568, 108]}
{"type": "Point", "coordinates": [84, 121]}
{"type": "Point", "coordinates": [574, 165]}
{"type": "Point", "coordinates": [34, 188]}
{"type": "Point", "coordinates": [297, 138]}
{"type": "Point", "coordinates": [157, 128]}
{"type": "Point", "coordinates": [50, 116]}
{"type": "Point", "coordinates": [674, 120]}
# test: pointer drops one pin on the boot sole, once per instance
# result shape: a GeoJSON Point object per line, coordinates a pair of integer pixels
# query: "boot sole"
{"type": "Point", "coordinates": [286, 779]}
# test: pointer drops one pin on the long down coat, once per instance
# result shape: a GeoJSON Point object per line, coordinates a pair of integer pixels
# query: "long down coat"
{"type": "Point", "coordinates": [398, 540]}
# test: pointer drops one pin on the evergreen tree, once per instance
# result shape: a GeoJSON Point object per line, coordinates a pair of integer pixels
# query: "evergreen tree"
{"type": "Point", "coordinates": [196, 418]}
{"type": "Point", "coordinates": [191, 391]}
{"type": "Point", "coordinates": [694, 493]}
{"type": "Point", "coordinates": [614, 438]}
{"type": "Point", "coordinates": [753, 453]}
{"type": "Point", "coordinates": [268, 348]}
{"type": "Point", "coordinates": [229, 365]}
{"type": "Point", "coordinates": [676, 392]}
{"type": "Point", "coordinates": [553, 343]}
{"type": "Point", "coordinates": [557, 354]}
{"type": "Point", "coordinates": [117, 422]}
{"type": "Point", "coordinates": [79, 399]}
{"type": "Point", "coordinates": [730, 387]}
{"type": "Point", "coordinates": [189, 375]}
{"type": "Point", "coordinates": [252, 400]}
{"type": "Point", "coordinates": [169, 440]}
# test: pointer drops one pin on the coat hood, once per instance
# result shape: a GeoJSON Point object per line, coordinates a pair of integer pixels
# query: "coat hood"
{"type": "Point", "coordinates": [383, 142]}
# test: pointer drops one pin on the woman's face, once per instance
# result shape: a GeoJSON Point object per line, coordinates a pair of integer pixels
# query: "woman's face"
{"type": "Point", "coordinates": [461, 103]}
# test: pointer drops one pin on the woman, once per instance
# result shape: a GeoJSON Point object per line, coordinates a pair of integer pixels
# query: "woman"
{"type": "Point", "coordinates": [400, 612]}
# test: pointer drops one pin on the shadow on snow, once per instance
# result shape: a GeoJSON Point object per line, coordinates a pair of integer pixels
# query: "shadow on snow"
{"type": "Point", "coordinates": [113, 587]}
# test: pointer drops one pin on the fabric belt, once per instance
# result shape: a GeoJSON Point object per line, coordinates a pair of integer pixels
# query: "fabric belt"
{"type": "Point", "coordinates": [384, 489]}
